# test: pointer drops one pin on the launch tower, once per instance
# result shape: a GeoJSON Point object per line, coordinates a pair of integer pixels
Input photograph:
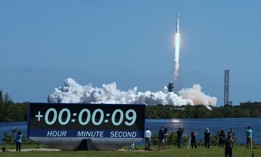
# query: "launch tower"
{"type": "Point", "coordinates": [226, 88]}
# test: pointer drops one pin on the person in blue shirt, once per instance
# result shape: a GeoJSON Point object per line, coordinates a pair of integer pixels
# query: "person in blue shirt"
{"type": "Point", "coordinates": [18, 141]}
{"type": "Point", "coordinates": [161, 138]}
{"type": "Point", "coordinates": [249, 133]}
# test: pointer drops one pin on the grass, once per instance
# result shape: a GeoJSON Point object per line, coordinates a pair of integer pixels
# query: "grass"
{"type": "Point", "coordinates": [169, 151]}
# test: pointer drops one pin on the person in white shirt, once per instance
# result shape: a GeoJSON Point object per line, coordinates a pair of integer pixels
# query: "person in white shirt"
{"type": "Point", "coordinates": [147, 136]}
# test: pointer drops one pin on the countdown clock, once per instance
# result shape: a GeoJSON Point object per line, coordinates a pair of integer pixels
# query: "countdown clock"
{"type": "Point", "coordinates": [86, 120]}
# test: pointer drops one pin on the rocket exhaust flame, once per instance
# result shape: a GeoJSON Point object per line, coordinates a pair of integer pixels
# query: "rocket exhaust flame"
{"type": "Point", "coordinates": [177, 47]}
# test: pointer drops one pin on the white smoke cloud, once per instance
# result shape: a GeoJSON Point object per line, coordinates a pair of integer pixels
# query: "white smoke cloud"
{"type": "Point", "coordinates": [72, 92]}
{"type": "Point", "coordinates": [197, 96]}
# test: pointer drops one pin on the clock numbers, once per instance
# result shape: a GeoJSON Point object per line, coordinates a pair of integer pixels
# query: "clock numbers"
{"type": "Point", "coordinates": [68, 116]}
{"type": "Point", "coordinates": [130, 116]}
{"type": "Point", "coordinates": [113, 117]}
{"type": "Point", "coordinates": [85, 116]}
{"type": "Point", "coordinates": [88, 116]}
{"type": "Point", "coordinates": [46, 117]}
{"type": "Point", "coordinates": [94, 117]}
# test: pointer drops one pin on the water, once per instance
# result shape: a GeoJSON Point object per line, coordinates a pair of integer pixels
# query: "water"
{"type": "Point", "coordinates": [8, 126]}
{"type": "Point", "coordinates": [214, 124]}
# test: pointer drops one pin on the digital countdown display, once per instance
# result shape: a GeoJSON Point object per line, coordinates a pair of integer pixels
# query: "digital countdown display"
{"type": "Point", "coordinates": [86, 120]}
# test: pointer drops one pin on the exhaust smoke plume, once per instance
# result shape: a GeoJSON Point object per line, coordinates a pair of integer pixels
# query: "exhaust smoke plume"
{"type": "Point", "coordinates": [72, 92]}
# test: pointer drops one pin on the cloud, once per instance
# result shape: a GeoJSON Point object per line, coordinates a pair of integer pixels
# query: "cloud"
{"type": "Point", "coordinates": [197, 96]}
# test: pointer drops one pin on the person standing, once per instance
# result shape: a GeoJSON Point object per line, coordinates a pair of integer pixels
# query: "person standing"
{"type": "Point", "coordinates": [179, 137]}
{"type": "Point", "coordinates": [228, 146]}
{"type": "Point", "coordinates": [207, 138]}
{"type": "Point", "coordinates": [232, 134]}
{"type": "Point", "coordinates": [166, 134]}
{"type": "Point", "coordinates": [222, 139]}
{"type": "Point", "coordinates": [18, 141]}
{"type": "Point", "coordinates": [161, 137]}
{"type": "Point", "coordinates": [249, 134]}
{"type": "Point", "coordinates": [193, 139]}
{"type": "Point", "coordinates": [147, 139]}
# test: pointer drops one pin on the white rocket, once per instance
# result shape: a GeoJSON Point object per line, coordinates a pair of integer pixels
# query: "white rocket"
{"type": "Point", "coordinates": [177, 23]}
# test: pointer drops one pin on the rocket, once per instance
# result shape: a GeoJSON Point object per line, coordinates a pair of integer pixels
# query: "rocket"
{"type": "Point", "coordinates": [177, 23]}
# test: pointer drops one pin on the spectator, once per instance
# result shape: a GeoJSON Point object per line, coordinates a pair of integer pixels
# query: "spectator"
{"type": "Point", "coordinates": [249, 134]}
{"type": "Point", "coordinates": [166, 134]}
{"type": "Point", "coordinates": [18, 141]}
{"type": "Point", "coordinates": [179, 137]}
{"type": "Point", "coordinates": [193, 139]}
{"type": "Point", "coordinates": [161, 138]}
{"type": "Point", "coordinates": [228, 146]}
{"type": "Point", "coordinates": [221, 138]}
{"type": "Point", "coordinates": [207, 138]}
{"type": "Point", "coordinates": [147, 139]}
{"type": "Point", "coordinates": [232, 134]}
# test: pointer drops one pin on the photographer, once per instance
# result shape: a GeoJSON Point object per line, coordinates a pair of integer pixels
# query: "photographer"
{"type": "Point", "coordinates": [179, 137]}
{"type": "Point", "coordinates": [18, 141]}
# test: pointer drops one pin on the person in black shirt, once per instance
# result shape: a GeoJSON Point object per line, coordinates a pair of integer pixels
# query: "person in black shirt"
{"type": "Point", "coordinates": [221, 139]}
{"type": "Point", "coordinates": [193, 139]}
{"type": "Point", "coordinates": [228, 146]}
{"type": "Point", "coordinates": [179, 137]}
{"type": "Point", "coordinates": [207, 138]}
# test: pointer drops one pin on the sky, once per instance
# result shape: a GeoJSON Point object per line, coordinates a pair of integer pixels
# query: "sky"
{"type": "Point", "coordinates": [130, 42]}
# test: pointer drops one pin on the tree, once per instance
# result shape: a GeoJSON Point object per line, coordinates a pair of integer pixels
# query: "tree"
{"type": "Point", "coordinates": [9, 138]}
{"type": "Point", "coordinates": [10, 111]}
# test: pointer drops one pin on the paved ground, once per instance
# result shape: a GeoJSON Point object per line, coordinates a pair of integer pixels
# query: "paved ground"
{"type": "Point", "coordinates": [56, 150]}
{"type": "Point", "coordinates": [28, 150]}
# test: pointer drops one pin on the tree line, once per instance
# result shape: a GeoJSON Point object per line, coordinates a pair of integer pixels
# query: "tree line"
{"type": "Point", "coordinates": [11, 111]}
{"type": "Point", "coordinates": [244, 110]}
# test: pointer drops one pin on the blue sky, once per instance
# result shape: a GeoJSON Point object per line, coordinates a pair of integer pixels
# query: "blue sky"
{"type": "Point", "coordinates": [129, 42]}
